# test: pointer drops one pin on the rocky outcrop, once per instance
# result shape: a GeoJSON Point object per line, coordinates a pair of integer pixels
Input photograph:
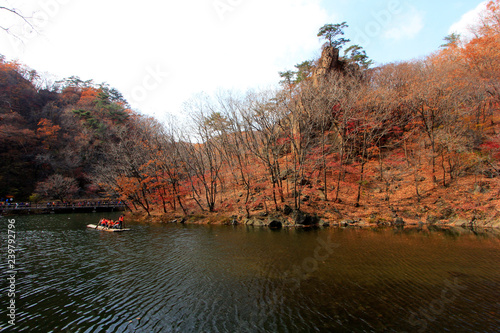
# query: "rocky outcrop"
{"type": "Point", "coordinates": [304, 219]}
{"type": "Point", "coordinates": [329, 62]}
{"type": "Point", "coordinates": [275, 224]}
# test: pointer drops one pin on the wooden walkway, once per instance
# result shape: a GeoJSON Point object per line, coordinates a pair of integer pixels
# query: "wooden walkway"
{"type": "Point", "coordinates": [60, 208]}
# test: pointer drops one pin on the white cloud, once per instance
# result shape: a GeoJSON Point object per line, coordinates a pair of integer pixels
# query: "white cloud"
{"type": "Point", "coordinates": [407, 25]}
{"type": "Point", "coordinates": [467, 20]}
{"type": "Point", "coordinates": [200, 47]}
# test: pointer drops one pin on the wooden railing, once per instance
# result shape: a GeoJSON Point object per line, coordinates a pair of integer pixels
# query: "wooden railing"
{"type": "Point", "coordinates": [61, 206]}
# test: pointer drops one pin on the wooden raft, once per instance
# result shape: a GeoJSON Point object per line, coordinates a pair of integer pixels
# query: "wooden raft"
{"type": "Point", "coordinates": [94, 226]}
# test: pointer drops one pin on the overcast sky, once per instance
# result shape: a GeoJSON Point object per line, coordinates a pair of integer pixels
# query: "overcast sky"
{"type": "Point", "coordinates": [160, 53]}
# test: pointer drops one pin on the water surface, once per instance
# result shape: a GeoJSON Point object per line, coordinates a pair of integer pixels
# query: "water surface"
{"type": "Point", "coordinates": [188, 278]}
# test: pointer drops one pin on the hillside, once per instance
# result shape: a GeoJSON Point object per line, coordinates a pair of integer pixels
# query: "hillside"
{"type": "Point", "coordinates": [411, 142]}
{"type": "Point", "coordinates": [51, 136]}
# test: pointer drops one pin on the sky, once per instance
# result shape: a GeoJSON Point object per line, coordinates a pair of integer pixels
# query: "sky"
{"type": "Point", "coordinates": [159, 54]}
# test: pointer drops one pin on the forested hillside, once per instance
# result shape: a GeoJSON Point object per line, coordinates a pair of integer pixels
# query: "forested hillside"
{"type": "Point", "coordinates": [51, 137]}
{"type": "Point", "coordinates": [416, 139]}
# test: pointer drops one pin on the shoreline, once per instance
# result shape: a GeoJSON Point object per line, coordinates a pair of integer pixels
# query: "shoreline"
{"type": "Point", "coordinates": [304, 220]}
{"type": "Point", "coordinates": [293, 219]}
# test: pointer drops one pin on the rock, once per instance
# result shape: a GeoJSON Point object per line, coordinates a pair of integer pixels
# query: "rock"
{"type": "Point", "coordinates": [460, 222]}
{"type": "Point", "coordinates": [304, 182]}
{"type": "Point", "coordinates": [382, 223]}
{"type": "Point", "coordinates": [431, 219]}
{"type": "Point", "coordinates": [324, 223]}
{"type": "Point", "coordinates": [337, 213]}
{"type": "Point", "coordinates": [259, 223]}
{"type": "Point", "coordinates": [481, 188]}
{"type": "Point", "coordinates": [305, 219]}
{"type": "Point", "coordinates": [287, 210]}
{"type": "Point", "coordinates": [256, 221]}
{"type": "Point", "coordinates": [349, 223]}
{"type": "Point", "coordinates": [399, 221]}
{"type": "Point", "coordinates": [275, 224]}
{"type": "Point", "coordinates": [362, 224]}
{"type": "Point", "coordinates": [446, 213]}
{"type": "Point", "coordinates": [259, 207]}
{"type": "Point", "coordinates": [328, 62]}
{"type": "Point", "coordinates": [264, 214]}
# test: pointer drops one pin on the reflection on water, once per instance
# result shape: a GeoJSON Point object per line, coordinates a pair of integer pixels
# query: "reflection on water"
{"type": "Point", "coordinates": [186, 278]}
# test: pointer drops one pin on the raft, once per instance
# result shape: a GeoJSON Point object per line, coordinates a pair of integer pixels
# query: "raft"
{"type": "Point", "coordinates": [98, 227]}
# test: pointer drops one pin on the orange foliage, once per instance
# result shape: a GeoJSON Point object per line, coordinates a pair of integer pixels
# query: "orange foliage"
{"type": "Point", "coordinates": [47, 132]}
{"type": "Point", "coordinates": [87, 97]}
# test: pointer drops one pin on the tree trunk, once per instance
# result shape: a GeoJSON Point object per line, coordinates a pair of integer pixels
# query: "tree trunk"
{"type": "Point", "coordinates": [360, 182]}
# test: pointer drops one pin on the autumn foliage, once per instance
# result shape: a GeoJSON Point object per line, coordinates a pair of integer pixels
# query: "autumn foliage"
{"type": "Point", "coordinates": [388, 137]}
{"type": "Point", "coordinates": [416, 137]}
{"type": "Point", "coordinates": [52, 129]}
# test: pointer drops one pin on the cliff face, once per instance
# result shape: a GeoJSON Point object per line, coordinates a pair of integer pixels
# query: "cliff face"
{"type": "Point", "coordinates": [328, 62]}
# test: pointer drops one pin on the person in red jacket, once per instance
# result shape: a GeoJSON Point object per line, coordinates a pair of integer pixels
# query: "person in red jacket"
{"type": "Point", "coordinates": [120, 222]}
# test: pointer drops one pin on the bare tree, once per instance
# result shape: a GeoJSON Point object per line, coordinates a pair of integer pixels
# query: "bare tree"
{"type": "Point", "coordinates": [17, 14]}
{"type": "Point", "coordinates": [58, 187]}
{"type": "Point", "coordinates": [264, 137]}
{"type": "Point", "coordinates": [204, 160]}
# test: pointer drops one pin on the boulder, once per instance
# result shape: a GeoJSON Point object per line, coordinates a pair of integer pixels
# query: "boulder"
{"type": "Point", "coordinates": [287, 210]}
{"type": "Point", "coordinates": [324, 223]}
{"type": "Point", "coordinates": [275, 224]}
{"type": "Point", "coordinates": [447, 213]}
{"type": "Point", "coordinates": [259, 223]}
{"type": "Point", "coordinates": [398, 221]}
{"type": "Point", "coordinates": [256, 221]}
{"type": "Point", "coordinates": [431, 219]}
{"type": "Point", "coordinates": [305, 219]}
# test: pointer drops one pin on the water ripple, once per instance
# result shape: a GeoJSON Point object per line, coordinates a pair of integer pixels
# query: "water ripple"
{"type": "Point", "coordinates": [164, 278]}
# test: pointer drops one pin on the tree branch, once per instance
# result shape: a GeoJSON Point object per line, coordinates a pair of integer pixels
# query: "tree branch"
{"type": "Point", "coordinates": [18, 14]}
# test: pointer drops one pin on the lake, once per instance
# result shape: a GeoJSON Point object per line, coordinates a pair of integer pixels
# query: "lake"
{"type": "Point", "coordinates": [202, 278]}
